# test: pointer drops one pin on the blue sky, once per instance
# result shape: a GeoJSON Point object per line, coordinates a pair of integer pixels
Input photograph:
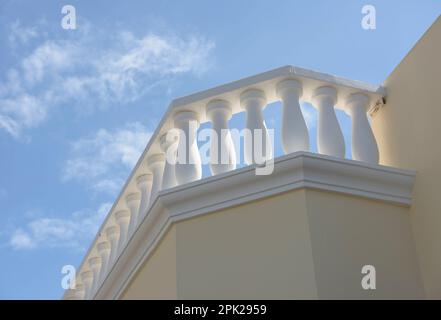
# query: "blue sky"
{"type": "Point", "coordinates": [78, 106]}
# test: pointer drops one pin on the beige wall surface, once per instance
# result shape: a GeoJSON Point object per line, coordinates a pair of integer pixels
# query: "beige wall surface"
{"type": "Point", "coordinates": [408, 132]}
{"type": "Point", "coordinates": [349, 232]}
{"type": "Point", "coordinates": [298, 245]}
{"type": "Point", "coordinates": [157, 277]}
{"type": "Point", "coordinates": [259, 250]}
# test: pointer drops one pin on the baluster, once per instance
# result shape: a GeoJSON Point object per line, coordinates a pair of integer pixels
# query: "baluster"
{"type": "Point", "coordinates": [95, 265]}
{"type": "Point", "coordinates": [330, 139]}
{"type": "Point", "coordinates": [364, 145]}
{"type": "Point", "coordinates": [87, 279]}
{"type": "Point", "coordinates": [222, 152]}
{"type": "Point", "coordinates": [112, 234]}
{"type": "Point", "coordinates": [169, 145]}
{"type": "Point", "coordinates": [258, 147]}
{"type": "Point", "coordinates": [295, 135]}
{"type": "Point", "coordinates": [188, 167]}
{"type": "Point", "coordinates": [144, 184]}
{"type": "Point", "coordinates": [133, 201]}
{"type": "Point", "coordinates": [70, 294]}
{"type": "Point", "coordinates": [79, 291]}
{"type": "Point", "coordinates": [156, 164]}
{"type": "Point", "coordinates": [103, 249]}
{"type": "Point", "coordinates": [122, 218]}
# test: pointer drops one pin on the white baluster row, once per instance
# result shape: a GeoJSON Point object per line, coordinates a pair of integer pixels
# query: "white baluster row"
{"type": "Point", "coordinates": [180, 163]}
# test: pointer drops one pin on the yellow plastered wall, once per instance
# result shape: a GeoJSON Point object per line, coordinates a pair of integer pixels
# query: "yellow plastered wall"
{"type": "Point", "coordinates": [157, 277]}
{"type": "Point", "coordinates": [260, 250]}
{"type": "Point", "coordinates": [302, 244]}
{"type": "Point", "coordinates": [408, 131]}
{"type": "Point", "coordinates": [349, 232]}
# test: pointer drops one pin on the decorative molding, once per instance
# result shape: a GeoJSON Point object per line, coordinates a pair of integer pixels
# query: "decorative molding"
{"type": "Point", "coordinates": [294, 171]}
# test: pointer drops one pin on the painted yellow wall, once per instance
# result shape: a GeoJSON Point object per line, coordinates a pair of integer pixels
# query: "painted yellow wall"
{"type": "Point", "coordinates": [259, 250]}
{"type": "Point", "coordinates": [408, 131]}
{"type": "Point", "coordinates": [349, 232]}
{"type": "Point", "coordinates": [297, 245]}
{"type": "Point", "coordinates": [157, 277]}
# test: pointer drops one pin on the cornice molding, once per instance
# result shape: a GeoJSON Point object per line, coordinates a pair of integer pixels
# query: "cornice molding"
{"type": "Point", "coordinates": [294, 171]}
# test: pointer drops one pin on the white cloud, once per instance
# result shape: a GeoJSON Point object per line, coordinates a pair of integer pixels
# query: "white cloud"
{"type": "Point", "coordinates": [125, 74]}
{"type": "Point", "coordinates": [21, 34]}
{"type": "Point", "coordinates": [103, 160]}
{"type": "Point", "coordinates": [93, 70]}
{"type": "Point", "coordinates": [55, 57]}
{"type": "Point", "coordinates": [73, 232]}
{"type": "Point", "coordinates": [21, 240]}
{"type": "Point", "coordinates": [21, 110]}
{"type": "Point", "coordinates": [161, 55]}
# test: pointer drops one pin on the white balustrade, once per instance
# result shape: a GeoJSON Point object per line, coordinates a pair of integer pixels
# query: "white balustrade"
{"type": "Point", "coordinates": [95, 265]}
{"type": "Point", "coordinates": [364, 146]}
{"type": "Point", "coordinates": [188, 167]}
{"type": "Point", "coordinates": [330, 139]}
{"type": "Point", "coordinates": [133, 200]}
{"type": "Point", "coordinates": [156, 164]}
{"type": "Point", "coordinates": [87, 280]}
{"type": "Point", "coordinates": [169, 145]}
{"type": "Point", "coordinates": [103, 249]}
{"type": "Point", "coordinates": [144, 184]}
{"type": "Point", "coordinates": [222, 152]}
{"type": "Point", "coordinates": [71, 294]}
{"type": "Point", "coordinates": [112, 233]}
{"type": "Point", "coordinates": [79, 291]}
{"type": "Point", "coordinates": [258, 147]}
{"type": "Point", "coordinates": [295, 135]}
{"type": "Point", "coordinates": [173, 157]}
{"type": "Point", "coordinates": [122, 218]}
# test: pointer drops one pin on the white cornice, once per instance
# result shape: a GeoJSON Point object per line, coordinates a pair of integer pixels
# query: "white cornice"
{"type": "Point", "coordinates": [291, 172]}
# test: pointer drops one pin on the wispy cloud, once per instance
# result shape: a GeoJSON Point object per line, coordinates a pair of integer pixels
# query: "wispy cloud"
{"type": "Point", "coordinates": [18, 34]}
{"type": "Point", "coordinates": [94, 69]}
{"type": "Point", "coordinates": [103, 160]}
{"type": "Point", "coordinates": [72, 232]}
{"type": "Point", "coordinates": [21, 111]}
{"type": "Point", "coordinates": [50, 59]}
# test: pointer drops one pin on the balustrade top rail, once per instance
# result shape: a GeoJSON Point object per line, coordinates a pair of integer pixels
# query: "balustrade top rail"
{"type": "Point", "coordinates": [132, 202]}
